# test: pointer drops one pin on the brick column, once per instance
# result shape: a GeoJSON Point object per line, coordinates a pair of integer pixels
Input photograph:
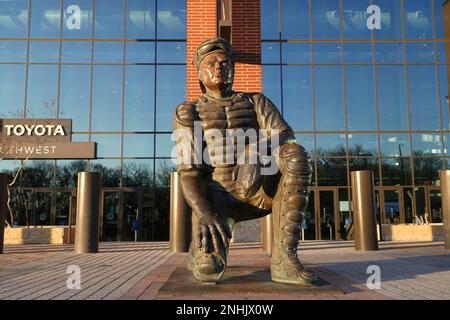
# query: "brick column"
{"type": "Point", "coordinates": [246, 39]}
{"type": "Point", "coordinates": [246, 35]}
{"type": "Point", "coordinates": [201, 24]}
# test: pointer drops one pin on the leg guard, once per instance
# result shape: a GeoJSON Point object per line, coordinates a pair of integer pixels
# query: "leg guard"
{"type": "Point", "coordinates": [289, 204]}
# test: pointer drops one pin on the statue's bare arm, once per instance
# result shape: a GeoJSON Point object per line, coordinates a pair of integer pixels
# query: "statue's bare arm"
{"type": "Point", "coordinates": [211, 229]}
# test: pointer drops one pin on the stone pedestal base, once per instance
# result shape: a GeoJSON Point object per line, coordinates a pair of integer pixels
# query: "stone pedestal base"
{"type": "Point", "coordinates": [237, 280]}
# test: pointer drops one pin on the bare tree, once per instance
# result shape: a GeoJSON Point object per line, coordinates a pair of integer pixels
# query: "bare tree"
{"type": "Point", "coordinates": [20, 114]}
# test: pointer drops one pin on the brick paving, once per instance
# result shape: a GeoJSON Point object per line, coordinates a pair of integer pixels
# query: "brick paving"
{"type": "Point", "coordinates": [137, 271]}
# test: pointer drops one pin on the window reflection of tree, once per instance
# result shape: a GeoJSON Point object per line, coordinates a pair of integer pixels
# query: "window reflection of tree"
{"type": "Point", "coordinates": [332, 171]}
{"type": "Point", "coordinates": [426, 170]}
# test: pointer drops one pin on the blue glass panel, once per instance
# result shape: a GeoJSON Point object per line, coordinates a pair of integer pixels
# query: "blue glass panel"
{"type": "Point", "coordinates": [137, 173]}
{"type": "Point", "coordinates": [418, 19]}
{"type": "Point", "coordinates": [171, 52]}
{"type": "Point", "coordinates": [13, 51]}
{"type": "Point", "coordinates": [439, 15]}
{"type": "Point", "coordinates": [141, 19]}
{"type": "Point", "coordinates": [107, 98]}
{"type": "Point", "coordinates": [13, 18]}
{"type": "Point", "coordinates": [77, 19]}
{"type": "Point", "coordinates": [139, 98]}
{"type": "Point", "coordinates": [74, 95]}
{"type": "Point", "coordinates": [110, 169]}
{"type": "Point", "coordinates": [163, 168]}
{"type": "Point", "coordinates": [138, 145]}
{"type": "Point", "coordinates": [326, 23]}
{"type": "Point", "coordinates": [296, 52]}
{"type": "Point", "coordinates": [44, 51]}
{"type": "Point", "coordinates": [45, 18]}
{"type": "Point", "coordinates": [332, 172]}
{"type": "Point", "coordinates": [307, 142]}
{"type": "Point", "coordinates": [80, 137]}
{"type": "Point", "coordinates": [358, 52]}
{"type": "Point", "coordinates": [42, 91]}
{"type": "Point", "coordinates": [67, 176]}
{"type": "Point", "coordinates": [441, 48]}
{"type": "Point", "coordinates": [140, 52]}
{"type": "Point", "coordinates": [329, 99]}
{"type": "Point", "coordinates": [171, 19]}
{"type": "Point", "coordinates": [420, 52]}
{"type": "Point", "coordinates": [395, 145]}
{"type": "Point", "coordinates": [269, 19]}
{"type": "Point", "coordinates": [297, 97]}
{"type": "Point", "coordinates": [270, 52]}
{"type": "Point", "coordinates": [328, 52]}
{"type": "Point", "coordinates": [331, 144]}
{"type": "Point", "coordinates": [366, 163]}
{"type": "Point", "coordinates": [108, 19]}
{"type": "Point", "coordinates": [396, 171]}
{"type": "Point", "coordinates": [109, 52]}
{"type": "Point", "coordinates": [392, 98]}
{"type": "Point", "coordinates": [165, 147]}
{"type": "Point", "coordinates": [108, 145]}
{"type": "Point", "coordinates": [426, 144]}
{"type": "Point", "coordinates": [76, 51]}
{"type": "Point", "coordinates": [391, 19]}
{"type": "Point", "coordinates": [426, 172]}
{"type": "Point", "coordinates": [355, 19]}
{"type": "Point", "coordinates": [171, 92]}
{"type": "Point", "coordinates": [444, 97]}
{"type": "Point", "coordinates": [295, 19]}
{"type": "Point", "coordinates": [362, 144]}
{"type": "Point", "coordinates": [447, 147]}
{"type": "Point", "coordinates": [271, 83]}
{"type": "Point", "coordinates": [12, 84]}
{"type": "Point", "coordinates": [387, 52]}
{"type": "Point", "coordinates": [361, 102]}
{"type": "Point", "coordinates": [423, 100]}
{"type": "Point", "coordinates": [7, 166]}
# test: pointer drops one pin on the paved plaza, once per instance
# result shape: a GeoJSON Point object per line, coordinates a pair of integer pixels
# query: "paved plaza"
{"type": "Point", "coordinates": [138, 271]}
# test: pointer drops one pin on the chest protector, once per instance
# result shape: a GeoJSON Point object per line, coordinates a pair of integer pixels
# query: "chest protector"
{"type": "Point", "coordinates": [222, 122]}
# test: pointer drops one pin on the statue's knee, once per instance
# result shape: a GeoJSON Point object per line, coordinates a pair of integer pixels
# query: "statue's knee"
{"type": "Point", "coordinates": [294, 161]}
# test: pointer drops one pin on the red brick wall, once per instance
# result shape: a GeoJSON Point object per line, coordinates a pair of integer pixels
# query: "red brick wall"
{"type": "Point", "coordinates": [246, 37]}
{"type": "Point", "coordinates": [201, 25]}
{"type": "Point", "coordinates": [246, 34]}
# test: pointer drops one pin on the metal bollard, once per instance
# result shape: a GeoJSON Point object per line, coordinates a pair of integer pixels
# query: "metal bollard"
{"type": "Point", "coordinates": [3, 206]}
{"type": "Point", "coordinates": [364, 211]}
{"type": "Point", "coordinates": [88, 212]}
{"type": "Point", "coordinates": [444, 175]}
{"type": "Point", "coordinates": [267, 233]}
{"type": "Point", "coordinates": [180, 217]}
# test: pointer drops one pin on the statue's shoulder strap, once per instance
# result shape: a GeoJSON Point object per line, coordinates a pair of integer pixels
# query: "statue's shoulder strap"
{"type": "Point", "coordinates": [253, 97]}
{"type": "Point", "coordinates": [186, 113]}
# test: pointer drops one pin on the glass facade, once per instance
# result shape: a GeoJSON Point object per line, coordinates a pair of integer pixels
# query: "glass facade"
{"type": "Point", "coordinates": [362, 96]}
{"type": "Point", "coordinates": [363, 84]}
{"type": "Point", "coordinates": [113, 67]}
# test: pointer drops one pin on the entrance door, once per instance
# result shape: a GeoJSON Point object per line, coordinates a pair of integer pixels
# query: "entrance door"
{"type": "Point", "coordinates": [42, 208]}
{"type": "Point", "coordinates": [63, 207]}
{"type": "Point", "coordinates": [328, 214]}
{"type": "Point", "coordinates": [130, 214]}
{"type": "Point", "coordinates": [309, 224]}
{"type": "Point", "coordinates": [110, 219]}
{"type": "Point", "coordinates": [391, 205]}
{"type": "Point", "coordinates": [120, 212]}
{"type": "Point", "coordinates": [435, 205]}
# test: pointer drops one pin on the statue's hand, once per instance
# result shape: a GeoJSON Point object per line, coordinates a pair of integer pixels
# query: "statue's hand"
{"type": "Point", "coordinates": [212, 230]}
